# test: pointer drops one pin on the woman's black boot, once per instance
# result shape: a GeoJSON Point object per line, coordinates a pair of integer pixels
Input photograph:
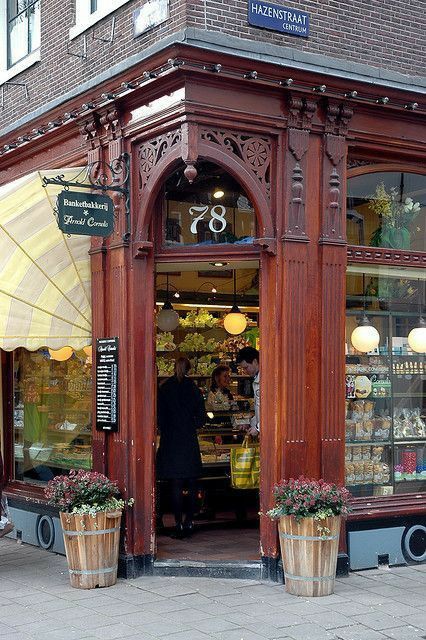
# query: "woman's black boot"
{"type": "Point", "coordinates": [178, 532]}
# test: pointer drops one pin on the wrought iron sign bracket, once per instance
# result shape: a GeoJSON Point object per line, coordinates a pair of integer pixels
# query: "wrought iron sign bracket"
{"type": "Point", "coordinates": [104, 177]}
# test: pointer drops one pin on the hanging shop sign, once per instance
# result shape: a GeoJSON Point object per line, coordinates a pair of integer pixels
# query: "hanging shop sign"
{"type": "Point", "coordinates": [149, 15]}
{"type": "Point", "coordinates": [86, 214]}
{"type": "Point", "coordinates": [278, 18]}
{"type": "Point", "coordinates": [107, 384]}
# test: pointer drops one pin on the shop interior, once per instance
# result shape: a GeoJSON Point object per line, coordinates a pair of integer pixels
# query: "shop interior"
{"type": "Point", "coordinates": [196, 317]}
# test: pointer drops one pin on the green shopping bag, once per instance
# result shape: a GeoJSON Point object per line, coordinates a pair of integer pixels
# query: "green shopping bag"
{"type": "Point", "coordinates": [245, 465]}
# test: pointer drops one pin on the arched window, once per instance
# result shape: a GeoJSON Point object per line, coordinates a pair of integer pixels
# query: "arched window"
{"type": "Point", "coordinates": [213, 210]}
{"type": "Point", "coordinates": [387, 209]}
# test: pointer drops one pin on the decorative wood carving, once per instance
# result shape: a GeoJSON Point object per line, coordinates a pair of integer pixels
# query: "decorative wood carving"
{"type": "Point", "coordinates": [333, 230]}
{"type": "Point", "coordinates": [295, 107]}
{"type": "Point", "coordinates": [355, 162]}
{"type": "Point", "coordinates": [386, 256]}
{"type": "Point", "coordinates": [337, 117]}
{"type": "Point", "coordinates": [253, 151]}
{"type": "Point", "coordinates": [111, 122]}
{"type": "Point", "coordinates": [89, 130]}
{"type": "Point", "coordinates": [152, 151]}
{"type": "Point", "coordinates": [295, 228]}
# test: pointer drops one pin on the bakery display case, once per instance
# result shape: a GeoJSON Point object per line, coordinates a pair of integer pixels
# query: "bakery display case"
{"type": "Point", "coordinates": [52, 414]}
{"type": "Point", "coordinates": [385, 409]}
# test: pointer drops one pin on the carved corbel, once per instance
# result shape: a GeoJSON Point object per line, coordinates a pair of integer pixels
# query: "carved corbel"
{"type": "Point", "coordinates": [268, 245]}
{"type": "Point", "coordinates": [142, 248]}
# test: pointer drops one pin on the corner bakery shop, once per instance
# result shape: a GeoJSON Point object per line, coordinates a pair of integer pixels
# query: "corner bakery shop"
{"type": "Point", "coordinates": [308, 219]}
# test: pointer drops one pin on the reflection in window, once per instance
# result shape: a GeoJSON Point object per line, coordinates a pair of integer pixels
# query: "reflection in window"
{"type": "Point", "coordinates": [212, 210]}
{"type": "Point", "coordinates": [23, 28]}
{"type": "Point", "coordinates": [52, 412]}
{"type": "Point", "coordinates": [385, 388]}
{"type": "Point", "coordinates": [93, 6]}
{"type": "Point", "coordinates": [387, 209]}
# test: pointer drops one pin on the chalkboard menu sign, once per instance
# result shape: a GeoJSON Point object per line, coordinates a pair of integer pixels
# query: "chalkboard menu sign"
{"type": "Point", "coordinates": [107, 384]}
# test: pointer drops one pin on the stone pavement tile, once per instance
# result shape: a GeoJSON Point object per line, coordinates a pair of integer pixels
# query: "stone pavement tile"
{"type": "Point", "coordinates": [238, 634]}
{"type": "Point", "coordinates": [139, 596]}
{"type": "Point", "coordinates": [405, 633]}
{"type": "Point", "coordinates": [35, 598]}
{"type": "Point", "coordinates": [256, 609]}
{"type": "Point", "coordinates": [419, 620]}
{"type": "Point", "coordinates": [215, 608]}
{"type": "Point", "coordinates": [213, 625]}
{"type": "Point", "coordinates": [163, 629]}
{"type": "Point", "coordinates": [406, 597]}
{"type": "Point", "coordinates": [165, 606]}
{"type": "Point", "coordinates": [352, 608]}
{"type": "Point", "coordinates": [139, 619]}
{"type": "Point", "coordinates": [167, 588]}
{"type": "Point", "coordinates": [281, 619]}
{"type": "Point", "coordinates": [54, 605]}
{"type": "Point", "coordinates": [268, 631]}
{"type": "Point", "coordinates": [328, 601]}
{"type": "Point", "coordinates": [40, 625]}
{"type": "Point", "coordinates": [234, 599]}
{"type": "Point", "coordinates": [95, 621]}
{"type": "Point", "coordinates": [193, 599]}
{"type": "Point", "coordinates": [329, 620]}
{"type": "Point", "coordinates": [309, 632]}
{"type": "Point", "coordinates": [69, 615]}
{"type": "Point", "coordinates": [114, 631]}
{"type": "Point", "coordinates": [17, 635]}
{"type": "Point", "coordinates": [184, 616]}
{"type": "Point", "coordinates": [303, 607]}
{"type": "Point", "coordinates": [66, 633]}
{"type": "Point", "coordinates": [190, 635]}
{"type": "Point", "coordinates": [119, 608]}
{"type": "Point", "coordinates": [359, 632]}
{"type": "Point", "coordinates": [379, 621]}
{"type": "Point", "coordinates": [264, 590]}
{"type": "Point", "coordinates": [5, 630]}
{"type": "Point", "coordinates": [397, 609]}
{"type": "Point", "coordinates": [241, 619]}
{"type": "Point", "coordinates": [368, 597]}
{"type": "Point", "coordinates": [385, 590]}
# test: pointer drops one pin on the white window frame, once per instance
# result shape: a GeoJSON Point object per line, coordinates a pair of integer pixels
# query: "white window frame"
{"type": "Point", "coordinates": [33, 57]}
{"type": "Point", "coordinates": [84, 19]}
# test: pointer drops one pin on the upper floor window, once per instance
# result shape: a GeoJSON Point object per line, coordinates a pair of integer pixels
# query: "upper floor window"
{"type": "Point", "coordinates": [89, 12]}
{"type": "Point", "coordinates": [214, 209]}
{"type": "Point", "coordinates": [23, 29]}
{"type": "Point", "coordinates": [387, 209]}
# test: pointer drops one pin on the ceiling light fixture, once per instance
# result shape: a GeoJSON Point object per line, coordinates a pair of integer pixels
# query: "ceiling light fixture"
{"type": "Point", "coordinates": [218, 193]}
{"type": "Point", "coordinates": [417, 336]}
{"type": "Point", "coordinates": [235, 322]}
{"type": "Point", "coordinates": [365, 337]}
{"type": "Point", "coordinates": [167, 318]}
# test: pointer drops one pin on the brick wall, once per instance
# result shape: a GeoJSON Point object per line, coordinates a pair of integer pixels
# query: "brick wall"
{"type": "Point", "coordinates": [58, 72]}
{"type": "Point", "coordinates": [382, 33]}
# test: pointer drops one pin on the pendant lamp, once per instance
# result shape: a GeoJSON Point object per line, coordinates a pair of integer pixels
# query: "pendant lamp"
{"type": "Point", "coordinates": [168, 318]}
{"type": "Point", "coordinates": [417, 336]}
{"type": "Point", "coordinates": [235, 322]}
{"type": "Point", "coordinates": [365, 337]}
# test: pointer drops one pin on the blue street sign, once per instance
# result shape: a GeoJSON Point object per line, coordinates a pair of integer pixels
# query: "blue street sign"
{"type": "Point", "coordinates": [278, 18]}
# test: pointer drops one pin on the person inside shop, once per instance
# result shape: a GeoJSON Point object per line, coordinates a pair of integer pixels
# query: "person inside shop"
{"type": "Point", "coordinates": [248, 360]}
{"type": "Point", "coordinates": [220, 392]}
{"type": "Point", "coordinates": [180, 413]}
{"type": "Point", "coordinates": [6, 525]}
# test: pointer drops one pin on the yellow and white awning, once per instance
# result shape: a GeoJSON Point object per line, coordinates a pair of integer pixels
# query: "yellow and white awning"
{"type": "Point", "coordinates": [44, 275]}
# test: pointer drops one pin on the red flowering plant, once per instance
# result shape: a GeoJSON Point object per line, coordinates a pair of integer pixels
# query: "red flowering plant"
{"type": "Point", "coordinates": [84, 492]}
{"type": "Point", "coordinates": [305, 498]}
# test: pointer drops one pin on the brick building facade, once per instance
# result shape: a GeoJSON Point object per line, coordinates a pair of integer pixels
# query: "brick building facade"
{"type": "Point", "coordinates": [350, 36]}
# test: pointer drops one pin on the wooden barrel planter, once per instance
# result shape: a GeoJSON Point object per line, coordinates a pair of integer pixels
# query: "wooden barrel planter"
{"type": "Point", "coordinates": [309, 554]}
{"type": "Point", "coordinates": [91, 545]}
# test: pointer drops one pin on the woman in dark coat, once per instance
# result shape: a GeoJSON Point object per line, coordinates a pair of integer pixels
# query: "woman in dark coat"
{"type": "Point", "coordinates": [180, 413]}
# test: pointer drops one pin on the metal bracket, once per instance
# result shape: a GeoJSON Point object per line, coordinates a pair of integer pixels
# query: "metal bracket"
{"type": "Point", "coordinates": [105, 177]}
{"type": "Point", "coordinates": [82, 56]}
{"type": "Point", "coordinates": [12, 84]}
{"type": "Point", "coordinates": [111, 38]}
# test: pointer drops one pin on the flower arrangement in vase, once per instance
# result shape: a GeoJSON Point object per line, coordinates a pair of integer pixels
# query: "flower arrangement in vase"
{"type": "Point", "coordinates": [396, 216]}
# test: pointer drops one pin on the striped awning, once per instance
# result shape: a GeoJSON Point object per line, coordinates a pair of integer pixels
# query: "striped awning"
{"type": "Point", "coordinates": [44, 275]}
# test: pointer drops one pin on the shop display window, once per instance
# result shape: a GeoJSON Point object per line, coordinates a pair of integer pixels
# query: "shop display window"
{"type": "Point", "coordinates": [52, 414]}
{"type": "Point", "coordinates": [387, 209]}
{"type": "Point", "coordinates": [212, 210]}
{"type": "Point", "coordinates": [385, 386]}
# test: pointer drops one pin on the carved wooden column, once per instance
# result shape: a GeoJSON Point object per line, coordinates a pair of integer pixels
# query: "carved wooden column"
{"type": "Point", "coordinates": [89, 129]}
{"type": "Point", "coordinates": [299, 283]}
{"type": "Point", "coordinates": [333, 286]}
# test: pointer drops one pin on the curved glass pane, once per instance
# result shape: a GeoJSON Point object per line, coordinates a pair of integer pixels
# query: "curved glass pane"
{"type": "Point", "coordinates": [214, 209]}
{"type": "Point", "coordinates": [387, 209]}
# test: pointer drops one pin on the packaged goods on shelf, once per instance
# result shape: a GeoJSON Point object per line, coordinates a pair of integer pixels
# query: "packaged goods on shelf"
{"type": "Point", "coordinates": [408, 423]}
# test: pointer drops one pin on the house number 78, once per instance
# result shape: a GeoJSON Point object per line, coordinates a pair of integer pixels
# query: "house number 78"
{"type": "Point", "coordinates": [217, 222]}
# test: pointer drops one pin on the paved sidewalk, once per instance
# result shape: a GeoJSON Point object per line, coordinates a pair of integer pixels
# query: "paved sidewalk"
{"type": "Point", "coordinates": [37, 603]}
